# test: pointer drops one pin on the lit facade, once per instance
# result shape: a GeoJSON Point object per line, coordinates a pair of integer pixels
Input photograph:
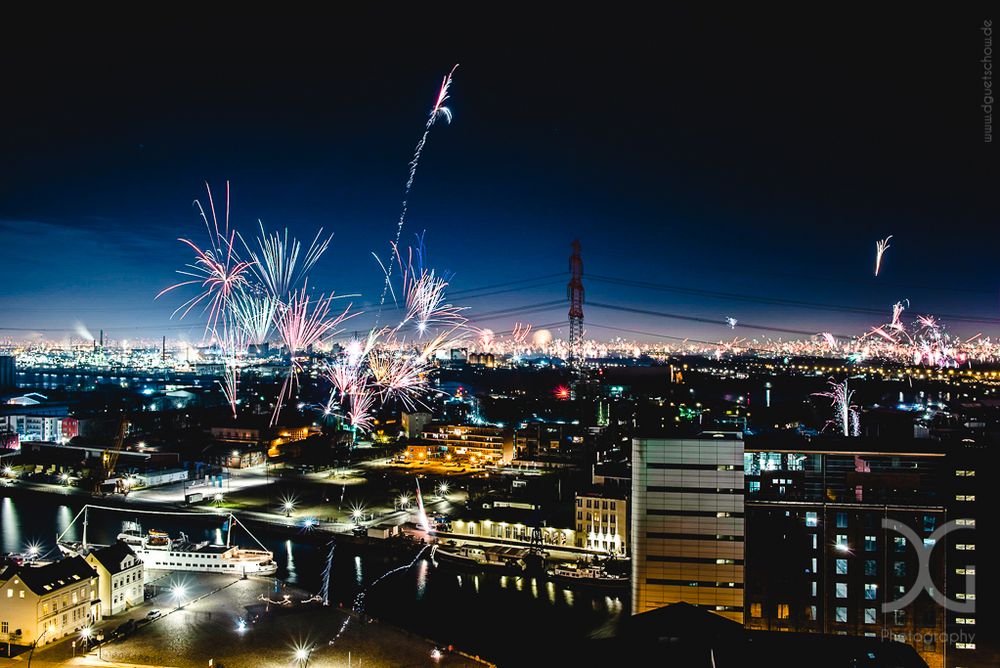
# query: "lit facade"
{"type": "Point", "coordinates": [47, 603]}
{"type": "Point", "coordinates": [602, 523]}
{"type": "Point", "coordinates": [688, 527]}
{"type": "Point", "coordinates": [120, 577]}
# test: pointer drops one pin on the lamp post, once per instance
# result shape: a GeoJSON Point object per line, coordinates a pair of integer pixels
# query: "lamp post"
{"type": "Point", "coordinates": [35, 644]}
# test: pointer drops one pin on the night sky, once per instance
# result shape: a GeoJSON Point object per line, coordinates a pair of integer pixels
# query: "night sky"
{"type": "Point", "coordinates": [749, 154]}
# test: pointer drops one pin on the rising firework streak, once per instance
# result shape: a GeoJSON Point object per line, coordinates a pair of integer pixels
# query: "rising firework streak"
{"type": "Point", "coordinates": [880, 248]}
{"type": "Point", "coordinates": [437, 110]}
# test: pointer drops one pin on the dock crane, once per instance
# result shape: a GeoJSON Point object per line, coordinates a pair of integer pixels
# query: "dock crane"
{"type": "Point", "coordinates": [109, 458]}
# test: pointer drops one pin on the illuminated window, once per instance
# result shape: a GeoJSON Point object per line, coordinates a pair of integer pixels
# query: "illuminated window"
{"type": "Point", "coordinates": [812, 519]}
{"type": "Point", "coordinates": [840, 615]}
{"type": "Point", "coordinates": [841, 566]}
{"type": "Point", "coordinates": [871, 616]}
{"type": "Point", "coordinates": [870, 543]}
{"type": "Point", "coordinates": [782, 611]}
{"type": "Point", "coordinates": [841, 590]}
{"type": "Point", "coordinates": [755, 610]}
{"type": "Point", "coordinates": [871, 592]}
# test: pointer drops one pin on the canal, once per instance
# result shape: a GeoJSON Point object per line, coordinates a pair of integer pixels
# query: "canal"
{"type": "Point", "coordinates": [508, 619]}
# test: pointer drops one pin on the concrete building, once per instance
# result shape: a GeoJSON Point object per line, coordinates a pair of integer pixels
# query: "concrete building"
{"type": "Point", "coordinates": [478, 445]}
{"type": "Point", "coordinates": [414, 423]}
{"type": "Point", "coordinates": [819, 557]}
{"type": "Point", "coordinates": [120, 577]}
{"type": "Point", "coordinates": [602, 522]}
{"type": "Point", "coordinates": [688, 523]}
{"type": "Point", "coordinates": [47, 603]}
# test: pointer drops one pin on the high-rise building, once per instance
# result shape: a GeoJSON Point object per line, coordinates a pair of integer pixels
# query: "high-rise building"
{"type": "Point", "coordinates": [688, 523]}
{"type": "Point", "coordinates": [7, 372]}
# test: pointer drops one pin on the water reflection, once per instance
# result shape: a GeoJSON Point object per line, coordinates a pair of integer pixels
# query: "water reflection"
{"type": "Point", "coordinates": [358, 571]}
{"type": "Point", "coordinates": [422, 568]}
{"type": "Point", "coordinates": [11, 528]}
{"type": "Point", "coordinates": [293, 574]}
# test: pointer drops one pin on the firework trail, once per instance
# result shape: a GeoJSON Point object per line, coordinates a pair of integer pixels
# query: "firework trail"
{"type": "Point", "coordinates": [880, 248]}
{"type": "Point", "coordinates": [325, 590]}
{"type": "Point", "coordinates": [830, 340]}
{"type": "Point", "coordinates": [845, 413]}
{"type": "Point", "coordinates": [254, 314]}
{"type": "Point", "coordinates": [520, 333]}
{"type": "Point", "coordinates": [437, 110]}
{"type": "Point", "coordinates": [231, 340]}
{"type": "Point", "coordinates": [216, 269]}
{"type": "Point", "coordinates": [359, 600]}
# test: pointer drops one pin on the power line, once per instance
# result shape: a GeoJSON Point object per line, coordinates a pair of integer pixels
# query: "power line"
{"type": "Point", "coordinates": [775, 301]}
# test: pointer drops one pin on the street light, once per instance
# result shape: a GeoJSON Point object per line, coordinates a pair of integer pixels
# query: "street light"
{"type": "Point", "coordinates": [404, 500]}
{"type": "Point", "coordinates": [178, 591]}
{"type": "Point", "coordinates": [302, 656]}
{"type": "Point", "coordinates": [442, 489]}
{"type": "Point", "coordinates": [289, 507]}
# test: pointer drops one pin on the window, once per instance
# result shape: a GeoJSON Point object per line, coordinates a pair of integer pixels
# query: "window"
{"type": "Point", "coordinates": [20, 594]}
{"type": "Point", "coordinates": [899, 544]}
{"type": "Point", "coordinates": [871, 591]}
{"type": "Point", "coordinates": [965, 497]}
{"type": "Point", "coordinates": [755, 610]}
{"type": "Point", "coordinates": [870, 616]}
{"type": "Point", "coordinates": [899, 569]}
{"type": "Point", "coordinates": [754, 486]}
{"type": "Point", "coordinates": [813, 565]}
{"type": "Point", "coordinates": [811, 613]}
{"type": "Point", "coordinates": [840, 615]}
{"type": "Point", "coordinates": [841, 590]}
{"type": "Point", "coordinates": [966, 546]}
{"type": "Point", "coordinates": [10, 593]}
{"type": "Point", "coordinates": [965, 620]}
{"type": "Point", "coordinates": [842, 541]}
{"type": "Point", "coordinates": [968, 570]}
{"type": "Point", "coordinates": [814, 541]}
{"type": "Point", "coordinates": [965, 523]}
{"type": "Point", "coordinates": [812, 519]}
{"type": "Point", "coordinates": [930, 522]}
{"type": "Point", "coordinates": [871, 568]}
{"type": "Point", "coordinates": [870, 543]}
{"type": "Point", "coordinates": [841, 520]}
{"type": "Point", "coordinates": [782, 611]}
{"type": "Point", "coordinates": [841, 566]}
{"type": "Point", "coordinates": [965, 645]}
{"type": "Point", "coordinates": [812, 588]}
{"type": "Point", "coordinates": [4, 627]}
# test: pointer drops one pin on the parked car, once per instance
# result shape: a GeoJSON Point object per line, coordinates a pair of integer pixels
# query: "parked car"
{"type": "Point", "coordinates": [153, 614]}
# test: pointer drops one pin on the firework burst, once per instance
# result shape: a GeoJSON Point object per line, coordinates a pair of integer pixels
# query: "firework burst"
{"type": "Point", "coordinates": [216, 269]}
{"type": "Point", "coordinates": [846, 417]}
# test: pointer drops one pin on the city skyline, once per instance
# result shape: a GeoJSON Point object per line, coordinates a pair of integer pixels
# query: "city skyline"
{"type": "Point", "coordinates": [736, 191]}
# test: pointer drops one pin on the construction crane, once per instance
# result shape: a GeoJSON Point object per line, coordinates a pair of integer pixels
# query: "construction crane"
{"type": "Point", "coordinates": [109, 458]}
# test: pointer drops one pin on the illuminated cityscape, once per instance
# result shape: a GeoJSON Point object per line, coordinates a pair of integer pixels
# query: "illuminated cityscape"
{"type": "Point", "coordinates": [535, 352]}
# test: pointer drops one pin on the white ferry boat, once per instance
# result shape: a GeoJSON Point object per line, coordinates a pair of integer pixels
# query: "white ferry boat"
{"type": "Point", "coordinates": [590, 574]}
{"type": "Point", "coordinates": [159, 551]}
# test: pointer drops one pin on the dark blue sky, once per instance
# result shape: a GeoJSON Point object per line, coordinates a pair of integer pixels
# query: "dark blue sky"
{"type": "Point", "coordinates": [745, 154]}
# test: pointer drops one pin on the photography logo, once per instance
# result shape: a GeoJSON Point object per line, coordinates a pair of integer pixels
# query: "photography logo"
{"type": "Point", "coordinates": [924, 581]}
